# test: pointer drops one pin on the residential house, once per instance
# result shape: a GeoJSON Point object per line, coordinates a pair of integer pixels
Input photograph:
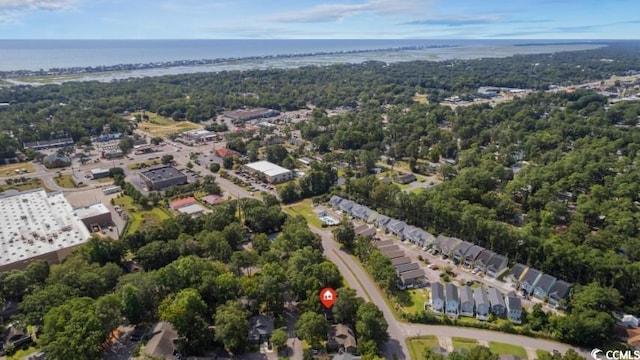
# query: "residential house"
{"type": "Point", "coordinates": [162, 342]}
{"type": "Point", "coordinates": [482, 262]}
{"type": "Point", "coordinates": [447, 245]}
{"type": "Point", "coordinates": [355, 209]}
{"type": "Point", "coordinates": [529, 280]}
{"type": "Point", "coordinates": [471, 255]}
{"type": "Point", "coordinates": [466, 301]}
{"type": "Point", "coordinates": [514, 308]}
{"type": "Point", "coordinates": [411, 278]}
{"type": "Point", "coordinates": [396, 226]}
{"type": "Point", "coordinates": [483, 306]}
{"type": "Point", "coordinates": [437, 297]}
{"type": "Point", "coordinates": [341, 338]}
{"type": "Point", "coordinates": [400, 261]}
{"type": "Point", "coordinates": [362, 213]}
{"type": "Point", "coordinates": [392, 254]}
{"type": "Point", "coordinates": [260, 329]}
{"type": "Point", "coordinates": [382, 221]}
{"type": "Point", "coordinates": [385, 249]}
{"type": "Point", "coordinates": [365, 231]}
{"type": "Point", "coordinates": [497, 265]}
{"type": "Point", "coordinates": [406, 233]}
{"type": "Point", "coordinates": [346, 206]}
{"type": "Point", "coordinates": [406, 267]}
{"type": "Point", "coordinates": [516, 273]}
{"type": "Point", "coordinates": [498, 307]}
{"type": "Point", "coordinates": [404, 178]}
{"type": "Point", "coordinates": [335, 201]}
{"type": "Point", "coordinates": [383, 243]}
{"type": "Point", "coordinates": [559, 291]}
{"type": "Point", "coordinates": [458, 255]}
{"type": "Point", "coordinates": [453, 302]}
{"type": "Point", "coordinates": [542, 288]}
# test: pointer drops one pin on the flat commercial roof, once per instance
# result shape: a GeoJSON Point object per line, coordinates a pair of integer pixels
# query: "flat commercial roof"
{"type": "Point", "coordinates": [99, 171]}
{"type": "Point", "coordinates": [34, 223]}
{"type": "Point", "coordinates": [91, 210]}
{"type": "Point", "coordinates": [192, 209]}
{"type": "Point", "coordinates": [162, 173]}
{"type": "Point", "coordinates": [267, 168]}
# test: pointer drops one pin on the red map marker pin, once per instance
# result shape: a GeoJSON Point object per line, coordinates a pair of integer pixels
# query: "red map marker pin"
{"type": "Point", "coordinates": [328, 297]}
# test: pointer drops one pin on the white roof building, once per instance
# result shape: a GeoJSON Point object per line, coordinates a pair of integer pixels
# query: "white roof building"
{"type": "Point", "coordinates": [36, 225]}
{"type": "Point", "coordinates": [272, 172]}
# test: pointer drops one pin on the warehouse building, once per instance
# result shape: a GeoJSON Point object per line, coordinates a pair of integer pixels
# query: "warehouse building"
{"type": "Point", "coordinates": [94, 214]}
{"type": "Point", "coordinates": [162, 177]}
{"type": "Point", "coordinates": [269, 171]}
{"type": "Point", "coordinates": [99, 173]}
{"type": "Point", "coordinates": [37, 225]}
{"type": "Point", "coordinates": [246, 115]}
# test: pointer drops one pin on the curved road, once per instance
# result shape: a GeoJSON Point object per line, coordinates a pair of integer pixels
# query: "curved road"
{"type": "Point", "coordinates": [360, 281]}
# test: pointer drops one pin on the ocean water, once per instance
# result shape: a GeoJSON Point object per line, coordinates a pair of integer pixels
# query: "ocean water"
{"type": "Point", "coordinates": [47, 54]}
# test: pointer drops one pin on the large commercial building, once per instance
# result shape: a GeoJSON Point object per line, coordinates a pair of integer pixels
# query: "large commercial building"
{"type": "Point", "coordinates": [246, 115]}
{"type": "Point", "coordinates": [94, 214]}
{"type": "Point", "coordinates": [162, 177]}
{"type": "Point", "coordinates": [36, 225]}
{"type": "Point", "coordinates": [269, 171]}
{"type": "Point", "coordinates": [48, 144]}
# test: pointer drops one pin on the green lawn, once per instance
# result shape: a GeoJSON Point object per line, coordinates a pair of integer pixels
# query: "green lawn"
{"type": "Point", "coordinates": [417, 345]}
{"type": "Point", "coordinates": [10, 169]}
{"type": "Point", "coordinates": [508, 349]}
{"type": "Point", "coordinates": [305, 209]}
{"type": "Point", "coordinates": [23, 353]}
{"type": "Point", "coordinates": [140, 218]}
{"type": "Point", "coordinates": [412, 301]}
{"type": "Point", "coordinates": [464, 343]}
{"type": "Point", "coordinates": [30, 185]}
{"type": "Point", "coordinates": [541, 353]}
{"type": "Point", "coordinates": [65, 181]}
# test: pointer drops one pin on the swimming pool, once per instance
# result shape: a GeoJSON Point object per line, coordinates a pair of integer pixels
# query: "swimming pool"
{"type": "Point", "coordinates": [329, 220]}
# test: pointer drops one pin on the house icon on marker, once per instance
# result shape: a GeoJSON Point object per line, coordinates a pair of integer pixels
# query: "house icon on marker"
{"type": "Point", "coordinates": [328, 295]}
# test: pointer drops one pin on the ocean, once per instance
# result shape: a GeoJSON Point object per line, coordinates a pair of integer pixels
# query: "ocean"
{"type": "Point", "coordinates": [35, 55]}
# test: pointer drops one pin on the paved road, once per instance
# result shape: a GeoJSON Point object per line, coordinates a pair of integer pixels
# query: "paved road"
{"type": "Point", "coordinates": [400, 331]}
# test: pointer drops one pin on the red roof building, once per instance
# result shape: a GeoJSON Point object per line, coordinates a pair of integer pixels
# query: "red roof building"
{"type": "Point", "coordinates": [224, 152]}
{"type": "Point", "coordinates": [180, 203]}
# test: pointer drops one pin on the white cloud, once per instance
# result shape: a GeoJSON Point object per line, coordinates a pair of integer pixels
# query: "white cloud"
{"type": "Point", "coordinates": [25, 5]}
{"type": "Point", "coordinates": [338, 11]}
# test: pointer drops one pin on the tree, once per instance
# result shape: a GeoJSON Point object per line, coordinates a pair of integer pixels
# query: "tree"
{"type": "Point", "coordinates": [126, 144]}
{"type": "Point", "coordinates": [214, 167]}
{"type": "Point", "coordinates": [232, 326]}
{"type": "Point", "coordinates": [346, 306]}
{"type": "Point", "coordinates": [289, 193]}
{"type": "Point", "coordinates": [156, 140]}
{"type": "Point", "coordinates": [166, 159]}
{"type": "Point", "coordinates": [312, 328]}
{"type": "Point", "coordinates": [279, 339]}
{"type": "Point", "coordinates": [189, 165]}
{"type": "Point", "coordinates": [596, 297]}
{"type": "Point", "coordinates": [131, 305]}
{"type": "Point", "coordinates": [371, 325]}
{"type": "Point", "coordinates": [344, 233]}
{"type": "Point", "coordinates": [186, 312]}
{"type": "Point", "coordinates": [227, 162]}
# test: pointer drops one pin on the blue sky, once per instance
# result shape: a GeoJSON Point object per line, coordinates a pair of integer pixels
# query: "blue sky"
{"type": "Point", "coordinates": [319, 19]}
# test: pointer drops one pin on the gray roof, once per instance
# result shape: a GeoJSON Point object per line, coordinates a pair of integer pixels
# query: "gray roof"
{"type": "Point", "coordinates": [365, 230]}
{"type": "Point", "coordinates": [437, 290]}
{"type": "Point", "coordinates": [531, 276]}
{"type": "Point", "coordinates": [387, 249]}
{"type": "Point", "coordinates": [480, 296]}
{"type": "Point", "coordinates": [346, 205]}
{"type": "Point", "coordinates": [394, 254]}
{"type": "Point", "coordinates": [400, 260]}
{"type": "Point", "coordinates": [517, 270]}
{"type": "Point", "coordinates": [462, 248]}
{"type": "Point", "coordinates": [546, 282]}
{"type": "Point", "coordinates": [413, 274]}
{"type": "Point", "coordinates": [485, 257]}
{"type": "Point", "coordinates": [383, 243]}
{"type": "Point", "coordinates": [465, 294]}
{"type": "Point", "coordinates": [449, 244]}
{"type": "Point", "coordinates": [335, 200]}
{"type": "Point", "coordinates": [497, 263]}
{"type": "Point", "coordinates": [407, 267]}
{"type": "Point", "coordinates": [473, 252]}
{"type": "Point", "coordinates": [357, 209]}
{"type": "Point", "coordinates": [495, 297]}
{"type": "Point", "coordinates": [560, 290]}
{"type": "Point", "coordinates": [260, 325]}
{"type": "Point", "coordinates": [383, 220]}
{"type": "Point", "coordinates": [161, 173]}
{"type": "Point", "coordinates": [514, 302]}
{"type": "Point", "coordinates": [396, 225]}
{"type": "Point", "coordinates": [451, 292]}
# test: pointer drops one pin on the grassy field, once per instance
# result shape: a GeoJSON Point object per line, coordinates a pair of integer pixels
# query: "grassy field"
{"type": "Point", "coordinates": [508, 349]}
{"type": "Point", "coordinates": [417, 345]}
{"type": "Point", "coordinates": [464, 343]}
{"type": "Point", "coordinates": [23, 353]}
{"type": "Point", "coordinates": [32, 184]}
{"type": "Point", "coordinates": [541, 353]}
{"type": "Point", "coordinates": [305, 209]}
{"type": "Point", "coordinates": [162, 126]}
{"type": "Point", "coordinates": [411, 301]}
{"type": "Point", "coordinates": [10, 169]}
{"type": "Point", "coordinates": [65, 181]}
{"type": "Point", "coordinates": [49, 79]}
{"type": "Point", "coordinates": [421, 99]}
{"type": "Point", "coordinates": [140, 218]}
